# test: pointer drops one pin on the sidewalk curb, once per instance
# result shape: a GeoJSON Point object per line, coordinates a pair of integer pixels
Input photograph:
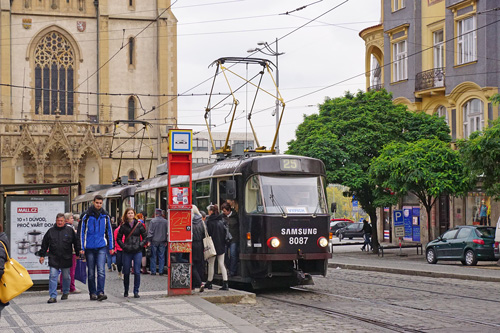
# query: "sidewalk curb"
{"type": "Point", "coordinates": [414, 272]}
{"type": "Point", "coordinates": [234, 322]}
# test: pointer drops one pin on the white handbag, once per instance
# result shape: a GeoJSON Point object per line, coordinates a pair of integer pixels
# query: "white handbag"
{"type": "Point", "coordinates": [208, 245]}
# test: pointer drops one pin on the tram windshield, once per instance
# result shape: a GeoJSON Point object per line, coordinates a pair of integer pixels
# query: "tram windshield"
{"type": "Point", "coordinates": [285, 195]}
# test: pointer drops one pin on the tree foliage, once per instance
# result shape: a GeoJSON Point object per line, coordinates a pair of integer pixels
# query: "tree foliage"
{"type": "Point", "coordinates": [481, 154]}
{"type": "Point", "coordinates": [350, 131]}
{"type": "Point", "coordinates": [427, 168]}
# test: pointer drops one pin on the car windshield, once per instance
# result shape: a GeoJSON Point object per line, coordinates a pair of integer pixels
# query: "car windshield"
{"type": "Point", "coordinates": [486, 232]}
{"type": "Point", "coordinates": [293, 195]}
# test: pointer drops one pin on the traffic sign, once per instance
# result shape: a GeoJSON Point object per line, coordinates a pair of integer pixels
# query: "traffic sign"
{"type": "Point", "coordinates": [398, 218]}
{"type": "Point", "coordinates": [399, 231]}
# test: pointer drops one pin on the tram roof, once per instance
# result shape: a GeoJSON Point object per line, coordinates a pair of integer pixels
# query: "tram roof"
{"type": "Point", "coordinates": [115, 191]}
{"type": "Point", "coordinates": [226, 167]}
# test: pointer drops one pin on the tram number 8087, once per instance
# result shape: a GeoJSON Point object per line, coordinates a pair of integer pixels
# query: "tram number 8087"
{"type": "Point", "coordinates": [297, 240]}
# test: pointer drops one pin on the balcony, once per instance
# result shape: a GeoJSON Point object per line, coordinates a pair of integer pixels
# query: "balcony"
{"type": "Point", "coordinates": [376, 87]}
{"type": "Point", "coordinates": [431, 79]}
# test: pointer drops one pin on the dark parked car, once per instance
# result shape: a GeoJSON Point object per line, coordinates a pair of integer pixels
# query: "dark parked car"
{"type": "Point", "coordinates": [465, 243]}
{"type": "Point", "coordinates": [336, 224]}
{"type": "Point", "coordinates": [351, 231]}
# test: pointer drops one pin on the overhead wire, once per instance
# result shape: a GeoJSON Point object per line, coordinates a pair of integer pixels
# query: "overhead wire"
{"type": "Point", "coordinates": [367, 72]}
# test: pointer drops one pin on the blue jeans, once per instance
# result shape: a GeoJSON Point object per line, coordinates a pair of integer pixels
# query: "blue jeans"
{"type": "Point", "coordinates": [367, 242]}
{"type": "Point", "coordinates": [160, 250]}
{"type": "Point", "coordinates": [127, 259]}
{"type": "Point", "coordinates": [54, 276]}
{"type": "Point", "coordinates": [110, 259]}
{"type": "Point", "coordinates": [234, 249]}
{"type": "Point", "coordinates": [96, 258]}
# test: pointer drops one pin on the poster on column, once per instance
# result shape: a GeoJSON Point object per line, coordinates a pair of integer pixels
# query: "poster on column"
{"type": "Point", "coordinates": [28, 219]}
{"type": "Point", "coordinates": [407, 216]}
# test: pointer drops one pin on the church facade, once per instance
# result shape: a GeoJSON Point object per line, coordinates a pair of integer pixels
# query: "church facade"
{"type": "Point", "coordinates": [87, 89]}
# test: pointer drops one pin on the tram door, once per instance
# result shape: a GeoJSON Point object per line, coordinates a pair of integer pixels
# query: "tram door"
{"type": "Point", "coordinates": [222, 188]}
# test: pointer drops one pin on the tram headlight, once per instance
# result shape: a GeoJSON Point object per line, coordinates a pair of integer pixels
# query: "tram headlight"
{"type": "Point", "coordinates": [322, 242]}
{"type": "Point", "coordinates": [273, 242]}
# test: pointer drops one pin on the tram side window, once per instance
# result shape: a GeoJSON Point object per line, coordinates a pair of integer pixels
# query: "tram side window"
{"type": "Point", "coordinates": [150, 204]}
{"type": "Point", "coordinates": [141, 202]}
{"type": "Point", "coordinates": [202, 194]}
{"type": "Point", "coordinates": [253, 198]}
{"type": "Point", "coordinates": [163, 200]}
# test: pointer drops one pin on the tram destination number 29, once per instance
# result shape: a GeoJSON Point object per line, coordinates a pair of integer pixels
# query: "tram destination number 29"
{"type": "Point", "coordinates": [297, 240]}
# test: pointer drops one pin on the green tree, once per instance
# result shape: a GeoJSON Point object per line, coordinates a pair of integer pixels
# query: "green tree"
{"type": "Point", "coordinates": [481, 154]}
{"type": "Point", "coordinates": [350, 131]}
{"type": "Point", "coordinates": [427, 168]}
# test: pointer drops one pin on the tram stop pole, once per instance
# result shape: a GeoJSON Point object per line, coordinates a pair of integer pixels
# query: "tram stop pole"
{"type": "Point", "coordinates": [180, 235]}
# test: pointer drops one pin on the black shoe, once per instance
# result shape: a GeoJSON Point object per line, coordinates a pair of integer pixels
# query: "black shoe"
{"type": "Point", "coordinates": [125, 294]}
{"type": "Point", "coordinates": [64, 296]}
{"type": "Point", "coordinates": [93, 297]}
{"type": "Point", "coordinates": [161, 274]}
{"type": "Point", "coordinates": [153, 273]}
{"type": "Point", "coordinates": [208, 285]}
{"type": "Point", "coordinates": [52, 300]}
{"type": "Point", "coordinates": [224, 286]}
{"type": "Point", "coordinates": [102, 297]}
{"type": "Point", "coordinates": [136, 295]}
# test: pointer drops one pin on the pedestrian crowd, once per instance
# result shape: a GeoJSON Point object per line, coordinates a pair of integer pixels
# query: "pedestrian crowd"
{"type": "Point", "coordinates": [124, 245]}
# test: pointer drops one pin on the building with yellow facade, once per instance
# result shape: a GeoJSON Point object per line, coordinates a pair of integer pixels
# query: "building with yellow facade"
{"type": "Point", "coordinates": [69, 70]}
{"type": "Point", "coordinates": [440, 57]}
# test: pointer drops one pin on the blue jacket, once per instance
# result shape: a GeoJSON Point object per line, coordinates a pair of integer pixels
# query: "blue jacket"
{"type": "Point", "coordinates": [95, 230]}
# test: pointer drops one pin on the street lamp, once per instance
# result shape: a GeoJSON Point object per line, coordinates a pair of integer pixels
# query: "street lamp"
{"type": "Point", "coordinates": [267, 50]}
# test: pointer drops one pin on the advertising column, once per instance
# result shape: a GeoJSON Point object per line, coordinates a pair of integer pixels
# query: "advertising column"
{"type": "Point", "coordinates": [179, 212]}
{"type": "Point", "coordinates": [27, 220]}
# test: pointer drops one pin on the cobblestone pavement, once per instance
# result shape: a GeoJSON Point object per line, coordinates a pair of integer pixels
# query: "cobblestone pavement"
{"type": "Point", "coordinates": [395, 302]}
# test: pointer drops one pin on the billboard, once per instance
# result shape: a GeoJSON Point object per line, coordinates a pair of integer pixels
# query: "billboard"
{"type": "Point", "coordinates": [28, 217]}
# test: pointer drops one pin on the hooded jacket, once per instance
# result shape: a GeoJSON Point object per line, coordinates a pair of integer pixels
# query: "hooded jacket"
{"type": "Point", "coordinates": [198, 235]}
{"type": "Point", "coordinates": [134, 243]}
{"type": "Point", "coordinates": [95, 230]}
{"type": "Point", "coordinates": [3, 255]}
{"type": "Point", "coordinates": [60, 242]}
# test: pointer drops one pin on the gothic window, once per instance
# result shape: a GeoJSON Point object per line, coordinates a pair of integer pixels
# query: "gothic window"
{"type": "Point", "coordinates": [131, 110]}
{"type": "Point", "coordinates": [131, 46]}
{"type": "Point", "coordinates": [132, 175]}
{"type": "Point", "coordinates": [54, 75]}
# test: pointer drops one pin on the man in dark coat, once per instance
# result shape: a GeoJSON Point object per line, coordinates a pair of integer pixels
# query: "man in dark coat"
{"type": "Point", "coordinates": [234, 229]}
{"type": "Point", "coordinates": [3, 258]}
{"type": "Point", "coordinates": [198, 228]}
{"type": "Point", "coordinates": [157, 237]}
{"type": "Point", "coordinates": [60, 241]}
{"type": "Point", "coordinates": [367, 233]}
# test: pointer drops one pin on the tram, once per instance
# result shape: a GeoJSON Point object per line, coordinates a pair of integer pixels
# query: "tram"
{"type": "Point", "coordinates": [116, 199]}
{"type": "Point", "coordinates": [282, 211]}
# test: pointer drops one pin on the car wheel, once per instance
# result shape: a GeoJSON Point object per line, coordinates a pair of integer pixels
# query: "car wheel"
{"type": "Point", "coordinates": [431, 256]}
{"type": "Point", "coordinates": [350, 237]}
{"type": "Point", "coordinates": [470, 258]}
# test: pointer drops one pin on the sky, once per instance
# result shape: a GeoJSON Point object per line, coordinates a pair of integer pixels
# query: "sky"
{"type": "Point", "coordinates": [322, 53]}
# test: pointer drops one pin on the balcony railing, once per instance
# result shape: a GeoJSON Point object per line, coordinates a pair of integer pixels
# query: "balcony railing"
{"type": "Point", "coordinates": [433, 78]}
{"type": "Point", "coordinates": [376, 87]}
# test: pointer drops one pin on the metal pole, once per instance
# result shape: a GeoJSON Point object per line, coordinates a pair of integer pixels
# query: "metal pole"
{"type": "Point", "coordinates": [277, 112]}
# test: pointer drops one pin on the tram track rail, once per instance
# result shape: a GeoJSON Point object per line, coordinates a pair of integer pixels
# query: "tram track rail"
{"type": "Point", "coordinates": [337, 313]}
{"type": "Point", "coordinates": [420, 290]}
{"type": "Point", "coordinates": [427, 312]}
